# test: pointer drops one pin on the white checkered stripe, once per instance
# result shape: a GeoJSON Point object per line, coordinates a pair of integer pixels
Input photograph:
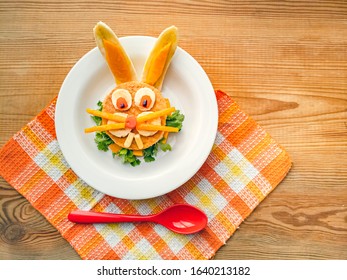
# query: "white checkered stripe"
{"type": "Point", "coordinates": [236, 170]}
{"type": "Point", "coordinates": [52, 161]}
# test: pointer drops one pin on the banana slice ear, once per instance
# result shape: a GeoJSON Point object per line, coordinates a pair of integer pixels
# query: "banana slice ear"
{"type": "Point", "coordinates": [160, 57]}
{"type": "Point", "coordinates": [117, 59]}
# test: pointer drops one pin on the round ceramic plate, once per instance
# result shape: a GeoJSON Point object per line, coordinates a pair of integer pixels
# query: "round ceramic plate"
{"type": "Point", "coordinates": [189, 90]}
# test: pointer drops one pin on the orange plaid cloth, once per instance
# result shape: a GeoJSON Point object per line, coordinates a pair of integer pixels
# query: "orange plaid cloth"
{"type": "Point", "coordinates": [244, 166]}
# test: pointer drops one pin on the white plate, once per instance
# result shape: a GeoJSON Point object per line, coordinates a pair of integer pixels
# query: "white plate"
{"type": "Point", "coordinates": [189, 90]}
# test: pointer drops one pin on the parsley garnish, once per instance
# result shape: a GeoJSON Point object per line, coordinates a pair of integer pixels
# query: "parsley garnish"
{"type": "Point", "coordinates": [127, 156]}
{"type": "Point", "coordinates": [102, 140]}
{"type": "Point", "coordinates": [96, 119]}
{"type": "Point", "coordinates": [175, 119]}
{"type": "Point", "coordinates": [164, 146]}
{"type": "Point", "coordinates": [150, 153]}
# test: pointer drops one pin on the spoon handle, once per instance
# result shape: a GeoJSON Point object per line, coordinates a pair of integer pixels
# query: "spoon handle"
{"type": "Point", "coordinates": [87, 217]}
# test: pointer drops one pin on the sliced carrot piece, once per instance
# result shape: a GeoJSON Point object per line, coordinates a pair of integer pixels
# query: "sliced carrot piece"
{"type": "Point", "coordinates": [151, 127]}
{"type": "Point", "coordinates": [115, 148]}
{"type": "Point", "coordinates": [105, 115]}
{"type": "Point", "coordinates": [155, 115]}
{"type": "Point", "coordinates": [105, 127]}
{"type": "Point", "coordinates": [138, 153]}
{"type": "Point", "coordinates": [166, 133]}
{"type": "Point", "coordinates": [130, 122]}
{"type": "Point", "coordinates": [165, 136]}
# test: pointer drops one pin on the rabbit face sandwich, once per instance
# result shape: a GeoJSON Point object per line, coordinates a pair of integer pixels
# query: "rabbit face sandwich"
{"type": "Point", "coordinates": [135, 119]}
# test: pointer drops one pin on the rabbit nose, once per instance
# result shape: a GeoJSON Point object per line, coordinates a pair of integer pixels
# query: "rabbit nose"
{"type": "Point", "coordinates": [130, 122]}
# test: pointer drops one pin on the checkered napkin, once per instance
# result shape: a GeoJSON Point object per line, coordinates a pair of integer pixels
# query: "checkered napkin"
{"type": "Point", "coordinates": [244, 166]}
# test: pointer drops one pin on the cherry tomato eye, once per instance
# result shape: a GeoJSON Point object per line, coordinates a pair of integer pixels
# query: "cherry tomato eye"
{"type": "Point", "coordinates": [122, 103]}
{"type": "Point", "coordinates": [144, 99]}
{"type": "Point", "coordinates": [121, 99]}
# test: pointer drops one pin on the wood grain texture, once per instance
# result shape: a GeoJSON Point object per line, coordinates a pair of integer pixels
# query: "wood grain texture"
{"type": "Point", "coordinates": [284, 62]}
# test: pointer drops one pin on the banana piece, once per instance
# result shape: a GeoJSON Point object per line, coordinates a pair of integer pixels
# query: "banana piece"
{"type": "Point", "coordinates": [117, 59]}
{"type": "Point", "coordinates": [160, 57]}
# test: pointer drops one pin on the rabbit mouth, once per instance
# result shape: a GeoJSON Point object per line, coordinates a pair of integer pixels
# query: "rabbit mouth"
{"type": "Point", "coordinates": [146, 124]}
{"type": "Point", "coordinates": [132, 128]}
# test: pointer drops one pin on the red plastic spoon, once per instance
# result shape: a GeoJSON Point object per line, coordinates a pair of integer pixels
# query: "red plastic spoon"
{"type": "Point", "coordinates": [180, 218]}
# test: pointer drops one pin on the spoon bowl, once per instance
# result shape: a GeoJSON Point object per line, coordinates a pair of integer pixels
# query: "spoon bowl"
{"type": "Point", "coordinates": [180, 218]}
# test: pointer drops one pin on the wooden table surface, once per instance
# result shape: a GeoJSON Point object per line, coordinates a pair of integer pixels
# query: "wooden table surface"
{"type": "Point", "coordinates": [284, 62]}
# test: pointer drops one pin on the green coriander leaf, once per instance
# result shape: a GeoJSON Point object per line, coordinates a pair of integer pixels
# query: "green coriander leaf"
{"type": "Point", "coordinates": [127, 156]}
{"type": "Point", "coordinates": [123, 152]}
{"type": "Point", "coordinates": [135, 163]}
{"type": "Point", "coordinates": [99, 105]}
{"type": "Point", "coordinates": [175, 119]}
{"type": "Point", "coordinates": [96, 119]}
{"type": "Point", "coordinates": [165, 146]}
{"type": "Point", "coordinates": [149, 158]}
{"type": "Point", "coordinates": [150, 153]}
{"type": "Point", "coordinates": [103, 141]}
